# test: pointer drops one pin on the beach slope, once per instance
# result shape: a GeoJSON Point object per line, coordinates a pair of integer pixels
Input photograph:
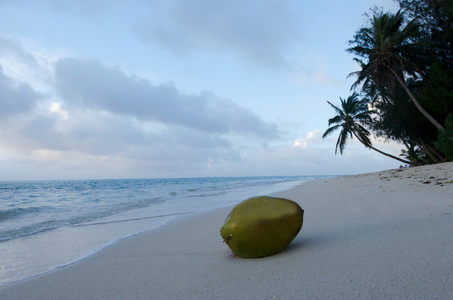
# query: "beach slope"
{"type": "Point", "coordinates": [384, 235]}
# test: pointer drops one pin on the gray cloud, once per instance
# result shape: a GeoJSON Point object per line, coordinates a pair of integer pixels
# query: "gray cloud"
{"type": "Point", "coordinates": [104, 112]}
{"type": "Point", "coordinates": [13, 48]}
{"type": "Point", "coordinates": [259, 31]}
{"type": "Point", "coordinates": [90, 84]}
{"type": "Point", "coordinates": [15, 97]}
{"type": "Point", "coordinates": [105, 115]}
{"type": "Point", "coordinates": [109, 135]}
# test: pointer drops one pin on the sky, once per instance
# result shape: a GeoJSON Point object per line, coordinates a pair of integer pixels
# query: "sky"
{"type": "Point", "coordinates": [96, 89]}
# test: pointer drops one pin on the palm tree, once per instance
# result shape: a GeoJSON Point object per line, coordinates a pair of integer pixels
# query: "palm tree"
{"type": "Point", "coordinates": [412, 153]}
{"type": "Point", "coordinates": [352, 118]}
{"type": "Point", "coordinates": [390, 53]}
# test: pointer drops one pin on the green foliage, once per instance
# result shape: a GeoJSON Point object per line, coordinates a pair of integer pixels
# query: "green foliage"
{"type": "Point", "coordinates": [445, 138]}
{"type": "Point", "coordinates": [406, 68]}
{"type": "Point", "coordinates": [415, 155]}
{"type": "Point", "coordinates": [436, 19]}
{"type": "Point", "coordinates": [386, 46]}
{"type": "Point", "coordinates": [399, 120]}
{"type": "Point", "coordinates": [437, 92]}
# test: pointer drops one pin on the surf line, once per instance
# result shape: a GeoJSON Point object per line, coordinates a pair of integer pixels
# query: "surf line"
{"type": "Point", "coordinates": [135, 219]}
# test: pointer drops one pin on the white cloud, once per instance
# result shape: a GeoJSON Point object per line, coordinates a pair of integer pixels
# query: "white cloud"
{"type": "Point", "coordinates": [55, 107]}
{"type": "Point", "coordinates": [312, 138]}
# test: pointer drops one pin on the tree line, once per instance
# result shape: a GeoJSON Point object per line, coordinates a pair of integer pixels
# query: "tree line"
{"type": "Point", "coordinates": [404, 86]}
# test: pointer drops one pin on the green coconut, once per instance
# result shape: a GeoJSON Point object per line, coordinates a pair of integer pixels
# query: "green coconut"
{"type": "Point", "coordinates": [262, 226]}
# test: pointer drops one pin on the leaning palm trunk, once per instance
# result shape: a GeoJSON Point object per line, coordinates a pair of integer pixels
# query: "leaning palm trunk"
{"type": "Point", "coordinates": [368, 145]}
{"type": "Point", "coordinates": [417, 104]}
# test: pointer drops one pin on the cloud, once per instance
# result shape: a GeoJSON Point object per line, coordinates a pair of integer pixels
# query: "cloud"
{"type": "Point", "coordinates": [90, 118]}
{"type": "Point", "coordinates": [109, 135]}
{"type": "Point", "coordinates": [16, 61]}
{"type": "Point", "coordinates": [15, 97]}
{"type": "Point", "coordinates": [55, 107]}
{"type": "Point", "coordinates": [259, 31]}
{"type": "Point", "coordinates": [313, 137]}
{"type": "Point", "coordinates": [13, 50]}
{"type": "Point", "coordinates": [89, 84]}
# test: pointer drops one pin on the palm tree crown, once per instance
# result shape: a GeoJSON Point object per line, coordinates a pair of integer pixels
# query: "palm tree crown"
{"type": "Point", "coordinates": [351, 117]}
{"type": "Point", "coordinates": [390, 53]}
{"type": "Point", "coordinates": [387, 45]}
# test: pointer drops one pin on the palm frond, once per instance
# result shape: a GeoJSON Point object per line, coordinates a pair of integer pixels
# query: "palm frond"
{"type": "Point", "coordinates": [330, 130]}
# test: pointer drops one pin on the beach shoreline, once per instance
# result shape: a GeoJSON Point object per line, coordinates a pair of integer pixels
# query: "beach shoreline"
{"type": "Point", "coordinates": [51, 224]}
{"type": "Point", "coordinates": [370, 236]}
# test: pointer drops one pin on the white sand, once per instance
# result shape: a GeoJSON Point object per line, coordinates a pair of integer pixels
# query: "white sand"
{"type": "Point", "coordinates": [386, 235]}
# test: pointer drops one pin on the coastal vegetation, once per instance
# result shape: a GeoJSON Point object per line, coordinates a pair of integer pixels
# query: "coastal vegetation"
{"type": "Point", "coordinates": [404, 86]}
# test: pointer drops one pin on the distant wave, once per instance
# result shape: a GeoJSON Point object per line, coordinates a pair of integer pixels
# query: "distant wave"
{"type": "Point", "coordinates": [19, 212]}
{"type": "Point", "coordinates": [29, 230]}
{"type": "Point", "coordinates": [64, 220]}
{"type": "Point", "coordinates": [207, 195]}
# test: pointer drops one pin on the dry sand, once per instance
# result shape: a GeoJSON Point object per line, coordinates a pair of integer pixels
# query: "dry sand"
{"type": "Point", "coordinates": [385, 235]}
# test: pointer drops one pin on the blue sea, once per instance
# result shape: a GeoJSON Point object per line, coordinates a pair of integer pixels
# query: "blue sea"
{"type": "Point", "coordinates": [45, 225]}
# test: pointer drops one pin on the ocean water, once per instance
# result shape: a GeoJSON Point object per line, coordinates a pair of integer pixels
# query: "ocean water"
{"type": "Point", "coordinates": [49, 224]}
